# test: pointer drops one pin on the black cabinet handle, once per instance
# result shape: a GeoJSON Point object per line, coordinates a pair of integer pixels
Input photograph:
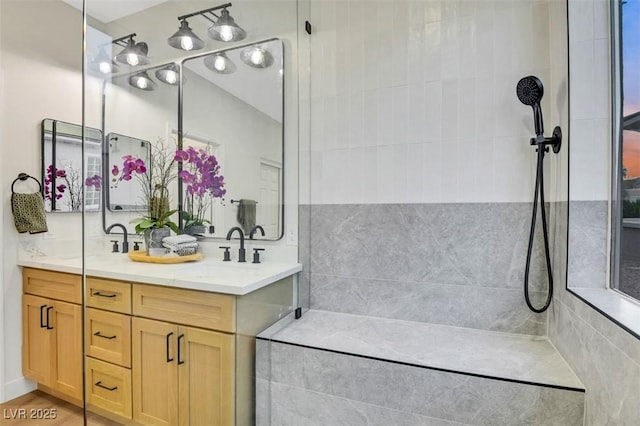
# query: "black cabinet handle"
{"type": "Point", "coordinates": [98, 334]}
{"type": "Point", "coordinates": [49, 310]}
{"type": "Point", "coordinates": [100, 385]}
{"type": "Point", "coordinates": [180, 361]}
{"type": "Point", "coordinates": [169, 359]}
{"type": "Point", "coordinates": [97, 293]}
{"type": "Point", "coordinates": [42, 324]}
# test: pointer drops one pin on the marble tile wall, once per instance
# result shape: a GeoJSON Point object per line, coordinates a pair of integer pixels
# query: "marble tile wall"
{"type": "Point", "coordinates": [455, 264]}
{"type": "Point", "coordinates": [588, 227]}
{"type": "Point", "coordinates": [319, 387]}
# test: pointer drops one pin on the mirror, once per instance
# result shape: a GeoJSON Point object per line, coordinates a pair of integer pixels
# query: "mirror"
{"type": "Point", "coordinates": [62, 174]}
{"type": "Point", "coordinates": [124, 192]}
{"type": "Point", "coordinates": [237, 117]}
{"type": "Point", "coordinates": [136, 117]}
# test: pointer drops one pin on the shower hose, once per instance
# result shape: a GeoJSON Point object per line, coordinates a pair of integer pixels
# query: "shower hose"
{"type": "Point", "coordinates": [543, 215]}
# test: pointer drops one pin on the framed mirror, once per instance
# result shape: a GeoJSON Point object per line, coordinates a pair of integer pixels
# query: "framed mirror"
{"type": "Point", "coordinates": [62, 176]}
{"type": "Point", "coordinates": [232, 108]}
{"type": "Point", "coordinates": [124, 192]}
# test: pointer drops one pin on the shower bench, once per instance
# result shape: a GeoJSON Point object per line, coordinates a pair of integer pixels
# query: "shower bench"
{"type": "Point", "coordinates": [344, 369]}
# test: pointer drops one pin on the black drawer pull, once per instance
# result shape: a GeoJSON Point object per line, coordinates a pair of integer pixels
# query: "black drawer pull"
{"type": "Point", "coordinates": [100, 385]}
{"type": "Point", "coordinates": [169, 359]}
{"type": "Point", "coordinates": [97, 293]}
{"type": "Point", "coordinates": [180, 361]}
{"type": "Point", "coordinates": [98, 334]}
{"type": "Point", "coordinates": [42, 324]}
{"type": "Point", "coordinates": [49, 310]}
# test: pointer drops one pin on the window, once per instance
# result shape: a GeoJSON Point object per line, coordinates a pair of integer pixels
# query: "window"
{"type": "Point", "coordinates": [626, 124]}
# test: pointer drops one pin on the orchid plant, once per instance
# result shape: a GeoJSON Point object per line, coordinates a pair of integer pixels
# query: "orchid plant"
{"type": "Point", "coordinates": [154, 179]}
{"type": "Point", "coordinates": [203, 183]}
{"type": "Point", "coordinates": [71, 186]}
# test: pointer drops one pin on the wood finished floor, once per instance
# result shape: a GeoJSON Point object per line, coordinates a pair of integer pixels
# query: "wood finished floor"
{"type": "Point", "coordinates": [65, 414]}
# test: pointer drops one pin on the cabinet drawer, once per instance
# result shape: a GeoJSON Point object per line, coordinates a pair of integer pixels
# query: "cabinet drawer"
{"type": "Point", "coordinates": [109, 387]}
{"type": "Point", "coordinates": [109, 294]}
{"type": "Point", "coordinates": [108, 336]}
{"type": "Point", "coordinates": [201, 309]}
{"type": "Point", "coordinates": [54, 285]}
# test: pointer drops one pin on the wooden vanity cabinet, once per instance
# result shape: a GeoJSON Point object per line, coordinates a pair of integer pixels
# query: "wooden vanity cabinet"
{"type": "Point", "coordinates": [52, 332]}
{"type": "Point", "coordinates": [182, 375]}
{"type": "Point", "coordinates": [155, 355]}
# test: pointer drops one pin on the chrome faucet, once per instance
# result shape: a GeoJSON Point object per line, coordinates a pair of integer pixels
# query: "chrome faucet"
{"type": "Point", "coordinates": [242, 254]}
{"type": "Point", "coordinates": [125, 243]}
{"type": "Point", "coordinates": [256, 228]}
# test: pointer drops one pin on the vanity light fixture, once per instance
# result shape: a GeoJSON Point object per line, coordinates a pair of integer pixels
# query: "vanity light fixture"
{"type": "Point", "coordinates": [224, 28]}
{"type": "Point", "coordinates": [185, 38]}
{"type": "Point", "coordinates": [220, 63]}
{"type": "Point", "coordinates": [133, 53]}
{"type": "Point", "coordinates": [168, 74]}
{"type": "Point", "coordinates": [142, 81]}
{"type": "Point", "coordinates": [256, 56]}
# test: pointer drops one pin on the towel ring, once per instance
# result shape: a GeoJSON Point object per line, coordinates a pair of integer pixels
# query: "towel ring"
{"type": "Point", "coordinates": [23, 177]}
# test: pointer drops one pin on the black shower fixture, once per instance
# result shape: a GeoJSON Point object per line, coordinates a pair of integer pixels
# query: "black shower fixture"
{"type": "Point", "coordinates": [530, 91]}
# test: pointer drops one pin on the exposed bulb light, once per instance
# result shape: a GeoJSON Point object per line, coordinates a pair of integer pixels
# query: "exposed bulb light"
{"type": "Point", "coordinates": [134, 54]}
{"type": "Point", "coordinates": [168, 74]}
{"type": "Point", "coordinates": [142, 81]}
{"type": "Point", "coordinates": [185, 38]}
{"type": "Point", "coordinates": [103, 63]}
{"type": "Point", "coordinates": [256, 56]}
{"type": "Point", "coordinates": [225, 29]}
{"type": "Point", "coordinates": [220, 63]}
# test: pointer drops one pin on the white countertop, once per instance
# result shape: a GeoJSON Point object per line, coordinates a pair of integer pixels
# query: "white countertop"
{"type": "Point", "coordinates": [208, 274]}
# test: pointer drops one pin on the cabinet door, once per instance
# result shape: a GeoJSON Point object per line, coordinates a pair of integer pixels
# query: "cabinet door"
{"type": "Point", "coordinates": [37, 340]}
{"type": "Point", "coordinates": [155, 377]}
{"type": "Point", "coordinates": [66, 362]}
{"type": "Point", "coordinates": [205, 377]}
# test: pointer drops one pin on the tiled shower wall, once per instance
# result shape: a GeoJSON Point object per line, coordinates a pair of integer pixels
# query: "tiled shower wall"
{"type": "Point", "coordinates": [421, 170]}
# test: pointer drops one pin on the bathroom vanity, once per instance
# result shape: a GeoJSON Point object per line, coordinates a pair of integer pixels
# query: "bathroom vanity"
{"type": "Point", "coordinates": [163, 344]}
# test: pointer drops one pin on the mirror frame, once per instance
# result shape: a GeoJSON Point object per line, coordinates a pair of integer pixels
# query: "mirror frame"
{"type": "Point", "coordinates": [82, 138]}
{"type": "Point", "coordinates": [283, 124]}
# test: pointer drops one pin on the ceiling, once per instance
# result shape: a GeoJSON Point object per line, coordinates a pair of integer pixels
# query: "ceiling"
{"type": "Point", "coordinates": [111, 10]}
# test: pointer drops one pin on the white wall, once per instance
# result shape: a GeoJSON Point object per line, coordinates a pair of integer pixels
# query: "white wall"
{"type": "Point", "coordinates": [414, 102]}
{"type": "Point", "coordinates": [41, 79]}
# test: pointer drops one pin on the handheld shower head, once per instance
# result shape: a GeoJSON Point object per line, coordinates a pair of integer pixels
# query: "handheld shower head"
{"type": "Point", "coordinates": [530, 91]}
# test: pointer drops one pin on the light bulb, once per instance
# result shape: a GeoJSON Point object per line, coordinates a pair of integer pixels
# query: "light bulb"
{"type": "Point", "coordinates": [171, 77]}
{"type": "Point", "coordinates": [132, 59]}
{"type": "Point", "coordinates": [104, 67]}
{"type": "Point", "coordinates": [220, 64]}
{"type": "Point", "coordinates": [186, 43]}
{"type": "Point", "coordinates": [142, 83]}
{"type": "Point", "coordinates": [257, 56]}
{"type": "Point", "coordinates": [226, 34]}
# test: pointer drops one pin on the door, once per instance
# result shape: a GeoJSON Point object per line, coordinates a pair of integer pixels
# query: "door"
{"type": "Point", "coordinates": [268, 210]}
{"type": "Point", "coordinates": [205, 377]}
{"type": "Point", "coordinates": [65, 326]}
{"type": "Point", "coordinates": [155, 376]}
{"type": "Point", "coordinates": [36, 339]}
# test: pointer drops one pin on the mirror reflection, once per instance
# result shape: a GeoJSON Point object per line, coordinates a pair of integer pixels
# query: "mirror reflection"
{"type": "Point", "coordinates": [124, 192]}
{"type": "Point", "coordinates": [62, 174]}
{"type": "Point", "coordinates": [226, 131]}
{"type": "Point", "coordinates": [232, 105]}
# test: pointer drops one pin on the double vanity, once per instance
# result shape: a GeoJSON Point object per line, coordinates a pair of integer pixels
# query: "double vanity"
{"type": "Point", "coordinates": [163, 344]}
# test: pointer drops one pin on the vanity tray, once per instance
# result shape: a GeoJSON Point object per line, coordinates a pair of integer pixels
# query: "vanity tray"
{"type": "Point", "coordinates": [141, 256]}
